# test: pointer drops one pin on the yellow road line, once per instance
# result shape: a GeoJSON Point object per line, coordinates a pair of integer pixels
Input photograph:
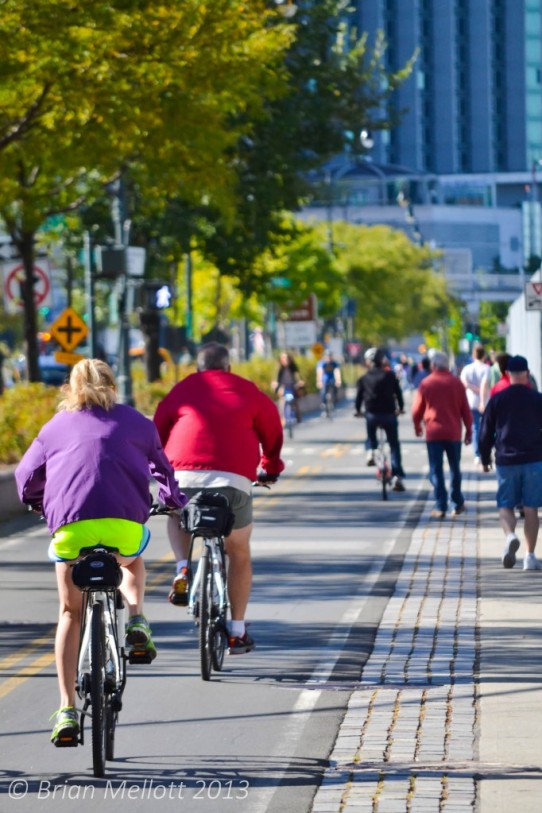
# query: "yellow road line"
{"type": "Point", "coordinates": [335, 451]}
{"type": "Point", "coordinates": [21, 654]}
{"type": "Point", "coordinates": [27, 672]}
{"type": "Point", "coordinates": [43, 661]}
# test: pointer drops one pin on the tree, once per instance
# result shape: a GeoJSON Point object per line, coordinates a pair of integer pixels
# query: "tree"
{"type": "Point", "coordinates": [392, 280]}
{"type": "Point", "coordinates": [336, 86]}
{"type": "Point", "coordinates": [91, 90]}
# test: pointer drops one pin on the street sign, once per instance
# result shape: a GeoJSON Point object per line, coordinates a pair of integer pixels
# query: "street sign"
{"type": "Point", "coordinates": [533, 296]}
{"type": "Point", "coordinates": [68, 358]}
{"type": "Point", "coordinates": [318, 350]}
{"type": "Point", "coordinates": [14, 276]}
{"type": "Point", "coordinates": [306, 311]}
{"type": "Point", "coordinates": [297, 334]}
{"type": "Point", "coordinates": [69, 329]}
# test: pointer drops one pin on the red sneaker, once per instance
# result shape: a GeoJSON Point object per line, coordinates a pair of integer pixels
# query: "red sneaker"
{"type": "Point", "coordinates": [240, 646]}
{"type": "Point", "coordinates": [180, 589]}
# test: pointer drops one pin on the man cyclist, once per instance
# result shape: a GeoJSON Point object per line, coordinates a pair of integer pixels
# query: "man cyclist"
{"type": "Point", "coordinates": [328, 374]}
{"type": "Point", "coordinates": [380, 397]}
{"type": "Point", "coordinates": [217, 429]}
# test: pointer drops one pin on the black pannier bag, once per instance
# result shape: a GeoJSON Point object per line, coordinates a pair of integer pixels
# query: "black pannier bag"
{"type": "Point", "coordinates": [208, 514]}
{"type": "Point", "coordinates": [97, 570]}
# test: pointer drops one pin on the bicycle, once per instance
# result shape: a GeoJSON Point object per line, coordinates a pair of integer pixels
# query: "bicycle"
{"type": "Point", "coordinates": [207, 517]}
{"type": "Point", "coordinates": [383, 467]}
{"type": "Point", "coordinates": [102, 658]}
{"type": "Point", "coordinates": [289, 413]}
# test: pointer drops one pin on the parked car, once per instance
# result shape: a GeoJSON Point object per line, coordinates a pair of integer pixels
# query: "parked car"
{"type": "Point", "coordinates": [52, 373]}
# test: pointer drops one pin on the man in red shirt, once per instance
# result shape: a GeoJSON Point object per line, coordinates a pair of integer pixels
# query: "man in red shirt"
{"type": "Point", "coordinates": [441, 404]}
{"type": "Point", "coordinates": [217, 429]}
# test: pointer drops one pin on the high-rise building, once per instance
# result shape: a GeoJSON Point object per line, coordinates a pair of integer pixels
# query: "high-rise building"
{"type": "Point", "coordinates": [463, 169]}
{"type": "Point", "coordinates": [474, 99]}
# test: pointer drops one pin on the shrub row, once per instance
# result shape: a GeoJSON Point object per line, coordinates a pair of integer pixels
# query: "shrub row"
{"type": "Point", "coordinates": [26, 407]}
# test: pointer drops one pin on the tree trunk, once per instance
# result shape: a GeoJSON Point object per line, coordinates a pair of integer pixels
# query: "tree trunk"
{"type": "Point", "coordinates": [26, 248]}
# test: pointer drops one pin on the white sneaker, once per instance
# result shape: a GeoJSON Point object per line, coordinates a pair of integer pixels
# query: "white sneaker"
{"type": "Point", "coordinates": [370, 458]}
{"type": "Point", "coordinates": [477, 461]}
{"type": "Point", "coordinates": [510, 550]}
{"type": "Point", "coordinates": [530, 562]}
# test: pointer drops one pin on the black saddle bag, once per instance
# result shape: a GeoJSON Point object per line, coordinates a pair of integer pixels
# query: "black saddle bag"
{"type": "Point", "coordinates": [208, 514]}
{"type": "Point", "coordinates": [97, 570]}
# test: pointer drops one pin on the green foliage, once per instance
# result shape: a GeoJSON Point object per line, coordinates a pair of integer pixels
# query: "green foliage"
{"type": "Point", "coordinates": [393, 282]}
{"type": "Point", "coordinates": [92, 90]}
{"type": "Point", "coordinates": [491, 315]}
{"type": "Point", "coordinates": [336, 86]}
{"type": "Point", "coordinates": [23, 410]}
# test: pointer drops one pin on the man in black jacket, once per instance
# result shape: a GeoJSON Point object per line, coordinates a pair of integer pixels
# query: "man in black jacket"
{"type": "Point", "coordinates": [380, 397]}
{"type": "Point", "coordinates": [512, 422]}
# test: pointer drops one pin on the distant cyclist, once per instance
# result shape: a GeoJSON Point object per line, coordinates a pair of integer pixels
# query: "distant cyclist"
{"type": "Point", "coordinates": [88, 471]}
{"type": "Point", "coordinates": [289, 381]}
{"type": "Point", "coordinates": [380, 398]}
{"type": "Point", "coordinates": [328, 375]}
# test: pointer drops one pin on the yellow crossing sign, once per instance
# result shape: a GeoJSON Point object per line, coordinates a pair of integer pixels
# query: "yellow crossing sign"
{"type": "Point", "coordinates": [69, 329]}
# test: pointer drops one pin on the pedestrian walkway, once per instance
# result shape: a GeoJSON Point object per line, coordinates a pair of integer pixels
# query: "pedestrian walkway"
{"type": "Point", "coordinates": [435, 726]}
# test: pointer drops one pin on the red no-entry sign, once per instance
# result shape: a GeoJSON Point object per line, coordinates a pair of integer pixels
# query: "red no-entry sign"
{"type": "Point", "coordinates": [13, 277]}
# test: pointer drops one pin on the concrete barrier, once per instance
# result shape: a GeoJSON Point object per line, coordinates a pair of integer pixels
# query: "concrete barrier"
{"type": "Point", "coordinates": [9, 501]}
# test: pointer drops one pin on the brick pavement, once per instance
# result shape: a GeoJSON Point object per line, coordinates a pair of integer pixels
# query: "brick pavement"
{"type": "Point", "coordinates": [408, 742]}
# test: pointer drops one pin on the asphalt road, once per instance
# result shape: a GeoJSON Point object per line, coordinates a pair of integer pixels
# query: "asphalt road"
{"type": "Point", "coordinates": [256, 738]}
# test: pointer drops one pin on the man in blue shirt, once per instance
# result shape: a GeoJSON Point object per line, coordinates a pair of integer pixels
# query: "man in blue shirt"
{"type": "Point", "coordinates": [512, 422]}
{"type": "Point", "coordinates": [328, 374]}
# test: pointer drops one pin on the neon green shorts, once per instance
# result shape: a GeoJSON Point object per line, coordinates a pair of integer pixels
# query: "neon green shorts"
{"type": "Point", "coordinates": [121, 536]}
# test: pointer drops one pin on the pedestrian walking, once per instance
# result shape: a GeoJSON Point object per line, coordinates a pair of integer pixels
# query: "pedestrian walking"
{"type": "Point", "coordinates": [473, 376]}
{"type": "Point", "coordinates": [512, 423]}
{"type": "Point", "coordinates": [440, 403]}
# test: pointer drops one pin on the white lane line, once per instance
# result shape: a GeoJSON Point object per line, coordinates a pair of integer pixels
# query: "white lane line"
{"type": "Point", "coordinates": [299, 716]}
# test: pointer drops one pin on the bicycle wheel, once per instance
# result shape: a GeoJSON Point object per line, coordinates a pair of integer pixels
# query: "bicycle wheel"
{"type": "Point", "coordinates": [329, 404]}
{"type": "Point", "coordinates": [205, 611]}
{"type": "Point", "coordinates": [220, 629]}
{"type": "Point", "coordinates": [289, 419]}
{"type": "Point", "coordinates": [97, 689]}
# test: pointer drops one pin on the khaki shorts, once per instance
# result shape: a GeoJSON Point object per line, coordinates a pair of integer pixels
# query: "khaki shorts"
{"type": "Point", "coordinates": [240, 502]}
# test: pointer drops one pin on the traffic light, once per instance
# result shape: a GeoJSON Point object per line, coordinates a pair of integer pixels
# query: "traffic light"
{"type": "Point", "coordinates": [157, 295]}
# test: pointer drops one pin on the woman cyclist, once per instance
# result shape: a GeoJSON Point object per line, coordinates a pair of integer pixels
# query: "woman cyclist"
{"type": "Point", "coordinates": [289, 381]}
{"type": "Point", "coordinates": [88, 472]}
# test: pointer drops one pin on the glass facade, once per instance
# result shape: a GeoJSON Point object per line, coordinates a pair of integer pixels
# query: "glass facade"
{"type": "Point", "coordinates": [474, 99]}
{"type": "Point", "coordinates": [533, 88]}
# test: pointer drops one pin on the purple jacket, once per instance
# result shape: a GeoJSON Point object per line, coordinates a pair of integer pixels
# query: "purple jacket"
{"type": "Point", "coordinates": [93, 464]}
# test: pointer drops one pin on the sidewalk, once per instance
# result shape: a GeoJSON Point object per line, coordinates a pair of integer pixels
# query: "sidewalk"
{"type": "Point", "coordinates": [448, 714]}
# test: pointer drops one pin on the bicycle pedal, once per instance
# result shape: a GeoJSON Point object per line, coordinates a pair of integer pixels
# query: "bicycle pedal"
{"type": "Point", "coordinates": [141, 656]}
{"type": "Point", "coordinates": [67, 741]}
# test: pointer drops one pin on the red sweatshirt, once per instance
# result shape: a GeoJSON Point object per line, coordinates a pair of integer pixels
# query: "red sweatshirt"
{"type": "Point", "coordinates": [441, 403]}
{"type": "Point", "coordinates": [217, 420]}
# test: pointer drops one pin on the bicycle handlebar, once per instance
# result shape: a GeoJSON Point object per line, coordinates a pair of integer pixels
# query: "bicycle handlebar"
{"type": "Point", "coordinates": [159, 509]}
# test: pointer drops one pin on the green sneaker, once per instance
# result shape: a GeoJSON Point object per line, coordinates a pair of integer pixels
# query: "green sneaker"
{"type": "Point", "coordinates": [66, 731]}
{"type": "Point", "coordinates": [138, 637]}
